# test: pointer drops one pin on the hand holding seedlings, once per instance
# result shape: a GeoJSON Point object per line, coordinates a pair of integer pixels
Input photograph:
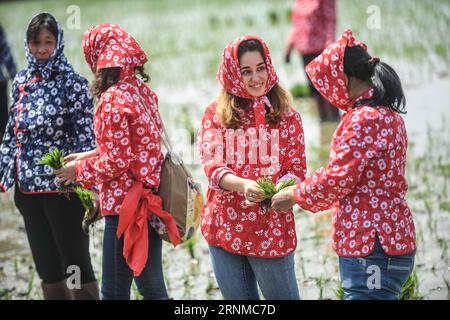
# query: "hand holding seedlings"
{"type": "Point", "coordinates": [54, 159]}
{"type": "Point", "coordinates": [66, 174]}
{"type": "Point", "coordinates": [90, 202]}
{"type": "Point", "coordinates": [64, 168]}
{"type": "Point", "coordinates": [271, 190]}
{"type": "Point", "coordinates": [252, 192]}
{"type": "Point", "coordinates": [284, 200]}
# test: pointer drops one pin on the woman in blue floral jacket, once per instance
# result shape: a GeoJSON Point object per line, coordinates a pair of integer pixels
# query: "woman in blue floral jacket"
{"type": "Point", "coordinates": [51, 108]}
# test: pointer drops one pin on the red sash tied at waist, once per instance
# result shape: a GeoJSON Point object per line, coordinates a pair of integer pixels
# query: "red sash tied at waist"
{"type": "Point", "coordinates": [136, 211]}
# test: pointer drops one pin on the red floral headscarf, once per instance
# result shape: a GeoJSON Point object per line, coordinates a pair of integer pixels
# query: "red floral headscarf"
{"type": "Point", "coordinates": [327, 71]}
{"type": "Point", "coordinates": [230, 76]}
{"type": "Point", "coordinates": [107, 45]}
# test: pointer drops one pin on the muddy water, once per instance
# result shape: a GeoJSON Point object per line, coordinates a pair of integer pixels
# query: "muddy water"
{"type": "Point", "coordinates": [427, 104]}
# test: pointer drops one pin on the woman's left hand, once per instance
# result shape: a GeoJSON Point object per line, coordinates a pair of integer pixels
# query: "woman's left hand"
{"type": "Point", "coordinates": [67, 173]}
{"type": "Point", "coordinates": [284, 200]}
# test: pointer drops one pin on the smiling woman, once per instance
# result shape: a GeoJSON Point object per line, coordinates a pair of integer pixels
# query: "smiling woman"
{"type": "Point", "coordinates": [41, 37]}
{"type": "Point", "coordinates": [242, 237]}
{"type": "Point", "coordinates": [253, 68]}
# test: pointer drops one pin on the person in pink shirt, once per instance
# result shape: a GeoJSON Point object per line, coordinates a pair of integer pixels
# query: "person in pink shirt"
{"type": "Point", "coordinates": [364, 183]}
{"type": "Point", "coordinates": [314, 27]}
{"type": "Point", "coordinates": [248, 132]}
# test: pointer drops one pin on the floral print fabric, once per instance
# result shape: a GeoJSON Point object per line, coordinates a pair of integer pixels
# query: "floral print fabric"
{"type": "Point", "coordinates": [52, 107]}
{"type": "Point", "coordinates": [364, 182]}
{"type": "Point", "coordinates": [254, 150]}
{"type": "Point", "coordinates": [128, 140]}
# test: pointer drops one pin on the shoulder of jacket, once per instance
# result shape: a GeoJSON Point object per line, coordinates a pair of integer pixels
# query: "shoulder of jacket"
{"type": "Point", "coordinates": [366, 114]}
{"type": "Point", "coordinates": [291, 115]}
{"type": "Point", "coordinates": [76, 77]}
{"type": "Point", "coordinates": [20, 76]}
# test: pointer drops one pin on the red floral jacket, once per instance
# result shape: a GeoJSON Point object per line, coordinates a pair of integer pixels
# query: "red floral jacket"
{"type": "Point", "coordinates": [227, 221]}
{"type": "Point", "coordinates": [364, 182]}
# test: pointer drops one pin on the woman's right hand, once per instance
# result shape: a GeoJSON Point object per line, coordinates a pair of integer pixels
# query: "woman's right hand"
{"type": "Point", "coordinates": [79, 156]}
{"type": "Point", "coordinates": [252, 192]}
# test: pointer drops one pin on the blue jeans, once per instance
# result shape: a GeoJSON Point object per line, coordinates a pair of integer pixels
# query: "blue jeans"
{"type": "Point", "coordinates": [239, 276]}
{"type": "Point", "coordinates": [117, 275]}
{"type": "Point", "coordinates": [375, 277]}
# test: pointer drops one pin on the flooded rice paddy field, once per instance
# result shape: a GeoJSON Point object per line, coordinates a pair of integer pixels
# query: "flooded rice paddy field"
{"type": "Point", "coordinates": [184, 40]}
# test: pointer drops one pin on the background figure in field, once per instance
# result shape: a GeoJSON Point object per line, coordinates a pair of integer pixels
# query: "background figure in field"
{"type": "Point", "coordinates": [7, 63]}
{"type": "Point", "coordinates": [314, 27]}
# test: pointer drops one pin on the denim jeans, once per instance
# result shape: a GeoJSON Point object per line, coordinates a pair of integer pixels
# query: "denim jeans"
{"type": "Point", "coordinates": [239, 276]}
{"type": "Point", "coordinates": [117, 275]}
{"type": "Point", "coordinates": [375, 277]}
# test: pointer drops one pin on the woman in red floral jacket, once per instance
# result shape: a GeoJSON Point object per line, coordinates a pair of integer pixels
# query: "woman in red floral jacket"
{"type": "Point", "coordinates": [250, 131]}
{"type": "Point", "coordinates": [364, 183]}
{"type": "Point", "coordinates": [126, 165]}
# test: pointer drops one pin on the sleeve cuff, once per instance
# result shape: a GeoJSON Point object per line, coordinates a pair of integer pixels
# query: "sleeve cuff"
{"type": "Point", "coordinates": [217, 175]}
{"type": "Point", "coordinates": [289, 176]}
{"type": "Point", "coordinates": [79, 173]}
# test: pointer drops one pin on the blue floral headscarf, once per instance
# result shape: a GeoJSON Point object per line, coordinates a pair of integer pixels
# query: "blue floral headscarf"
{"type": "Point", "coordinates": [57, 60]}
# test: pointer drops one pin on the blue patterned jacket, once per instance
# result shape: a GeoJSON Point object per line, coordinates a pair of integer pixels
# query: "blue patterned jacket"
{"type": "Point", "coordinates": [52, 107]}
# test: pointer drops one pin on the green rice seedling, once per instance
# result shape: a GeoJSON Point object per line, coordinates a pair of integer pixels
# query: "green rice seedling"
{"type": "Point", "coordinates": [445, 206]}
{"type": "Point", "coordinates": [187, 286]}
{"type": "Point", "coordinates": [339, 292]}
{"type": "Point", "coordinates": [300, 91]}
{"type": "Point", "coordinates": [302, 266]}
{"type": "Point", "coordinates": [320, 282]}
{"type": "Point", "coordinates": [410, 290]}
{"type": "Point", "coordinates": [443, 243]}
{"type": "Point", "coordinates": [86, 198]}
{"type": "Point", "coordinates": [447, 284]}
{"type": "Point", "coordinates": [211, 286]}
{"type": "Point", "coordinates": [270, 189]}
{"type": "Point", "coordinates": [249, 21]}
{"type": "Point", "coordinates": [229, 22]}
{"type": "Point", "coordinates": [54, 159]}
{"type": "Point", "coordinates": [289, 15]}
{"type": "Point", "coordinates": [190, 245]}
{"type": "Point", "coordinates": [16, 267]}
{"type": "Point", "coordinates": [30, 284]}
{"type": "Point", "coordinates": [214, 22]}
{"type": "Point", "coordinates": [273, 18]}
{"type": "Point", "coordinates": [136, 292]}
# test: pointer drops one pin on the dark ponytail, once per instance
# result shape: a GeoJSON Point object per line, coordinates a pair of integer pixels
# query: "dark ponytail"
{"type": "Point", "coordinates": [387, 86]}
